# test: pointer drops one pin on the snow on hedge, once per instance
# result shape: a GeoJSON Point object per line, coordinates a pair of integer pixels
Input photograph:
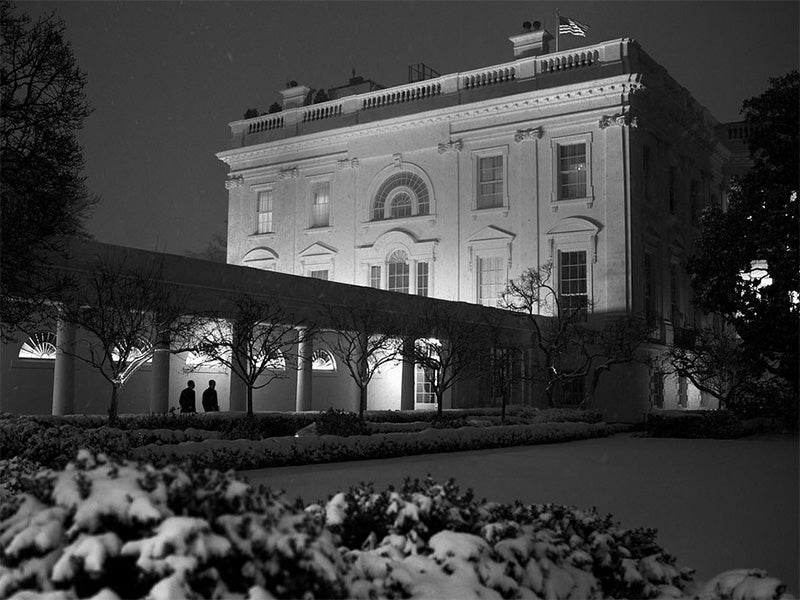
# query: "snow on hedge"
{"type": "Point", "coordinates": [278, 451]}
{"type": "Point", "coordinates": [106, 529]}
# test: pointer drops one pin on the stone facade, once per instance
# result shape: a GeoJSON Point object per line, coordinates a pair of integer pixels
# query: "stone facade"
{"type": "Point", "coordinates": [642, 155]}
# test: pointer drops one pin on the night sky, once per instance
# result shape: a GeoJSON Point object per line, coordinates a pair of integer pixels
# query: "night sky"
{"type": "Point", "coordinates": [166, 78]}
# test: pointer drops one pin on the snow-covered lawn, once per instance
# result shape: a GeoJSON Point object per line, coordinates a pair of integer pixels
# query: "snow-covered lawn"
{"type": "Point", "coordinates": [717, 504]}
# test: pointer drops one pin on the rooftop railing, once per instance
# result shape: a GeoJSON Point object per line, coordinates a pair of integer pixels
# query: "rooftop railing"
{"type": "Point", "coordinates": [520, 69]}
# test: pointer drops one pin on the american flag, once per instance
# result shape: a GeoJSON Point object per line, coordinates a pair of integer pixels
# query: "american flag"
{"type": "Point", "coordinates": [571, 26]}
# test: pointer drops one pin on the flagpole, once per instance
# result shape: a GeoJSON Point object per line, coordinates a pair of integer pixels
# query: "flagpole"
{"type": "Point", "coordinates": [558, 28]}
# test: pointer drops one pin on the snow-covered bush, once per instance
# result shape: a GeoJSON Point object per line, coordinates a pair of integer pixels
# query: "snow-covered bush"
{"type": "Point", "coordinates": [273, 452]}
{"type": "Point", "coordinates": [108, 529]}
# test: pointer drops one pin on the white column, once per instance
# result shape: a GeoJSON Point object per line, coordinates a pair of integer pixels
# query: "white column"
{"type": "Point", "coordinates": [305, 348]}
{"type": "Point", "coordinates": [64, 372]}
{"type": "Point", "coordinates": [159, 380]}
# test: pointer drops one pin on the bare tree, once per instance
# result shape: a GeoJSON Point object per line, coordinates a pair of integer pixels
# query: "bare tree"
{"type": "Point", "coordinates": [126, 314]}
{"type": "Point", "coordinates": [44, 196]}
{"type": "Point", "coordinates": [447, 348]}
{"type": "Point", "coordinates": [254, 338]}
{"type": "Point", "coordinates": [501, 363]}
{"type": "Point", "coordinates": [573, 346]}
{"type": "Point", "coordinates": [714, 360]}
{"type": "Point", "coordinates": [366, 338]}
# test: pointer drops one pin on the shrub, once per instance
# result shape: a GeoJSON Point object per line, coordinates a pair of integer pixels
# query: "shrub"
{"type": "Point", "coordinates": [718, 424]}
{"type": "Point", "coordinates": [117, 529]}
{"type": "Point", "coordinates": [340, 422]}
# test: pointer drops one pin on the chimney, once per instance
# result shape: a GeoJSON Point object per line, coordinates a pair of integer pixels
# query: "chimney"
{"type": "Point", "coordinates": [294, 95]}
{"type": "Point", "coordinates": [533, 42]}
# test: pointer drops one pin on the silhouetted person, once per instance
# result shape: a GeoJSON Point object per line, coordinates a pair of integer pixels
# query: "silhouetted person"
{"type": "Point", "coordinates": [210, 403]}
{"type": "Point", "coordinates": [187, 398]}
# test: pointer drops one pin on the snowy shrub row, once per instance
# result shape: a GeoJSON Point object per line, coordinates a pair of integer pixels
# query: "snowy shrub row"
{"type": "Point", "coordinates": [273, 452]}
{"type": "Point", "coordinates": [718, 424]}
{"type": "Point", "coordinates": [107, 529]}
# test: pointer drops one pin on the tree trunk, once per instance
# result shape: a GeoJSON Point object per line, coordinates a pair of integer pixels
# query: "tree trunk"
{"type": "Point", "coordinates": [439, 399]}
{"type": "Point", "coordinates": [362, 402]}
{"type": "Point", "coordinates": [113, 409]}
{"type": "Point", "coordinates": [249, 400]}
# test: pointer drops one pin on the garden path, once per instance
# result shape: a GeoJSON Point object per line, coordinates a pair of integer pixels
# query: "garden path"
{"type": "Point", "coordinates": [717, 504]}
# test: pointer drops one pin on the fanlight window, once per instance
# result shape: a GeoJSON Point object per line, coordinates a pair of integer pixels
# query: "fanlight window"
{"type": "Point", "coordinates": [136, 353]}
{"type": "Point", "coordinates": [321, 360]}
{"type": "Point", "coordinates": [39, 345]}
{"type": "Point", "coordinates": [276, 363]}
{"type": "Point", "coordinates": [401, 195]}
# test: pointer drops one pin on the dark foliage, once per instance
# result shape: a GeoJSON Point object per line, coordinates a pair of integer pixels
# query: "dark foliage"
{"type": "Point", "coordinates": [340, 422]}
{"type": "Point", "coordinates": [717, 424]}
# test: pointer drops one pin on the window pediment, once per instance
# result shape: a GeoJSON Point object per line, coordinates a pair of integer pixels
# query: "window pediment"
{"type": "Point", "coordinates": [318, 249]}
{"type": "Point", "coordinates": [491, 233]}
{"type": "Point", "coordinates": [575, 225]}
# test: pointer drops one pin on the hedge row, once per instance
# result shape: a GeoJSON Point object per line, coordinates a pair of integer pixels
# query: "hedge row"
{"type": "Point", "coordinates": [106, 529]}
{"type": "Point", "coordinates": [274, 452]}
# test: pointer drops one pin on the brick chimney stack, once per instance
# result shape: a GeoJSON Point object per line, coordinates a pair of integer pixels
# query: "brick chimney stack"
{"type": "Point", "coordinates": [294, 95]}
{"type": "Point", "coordinates": [535, 41]}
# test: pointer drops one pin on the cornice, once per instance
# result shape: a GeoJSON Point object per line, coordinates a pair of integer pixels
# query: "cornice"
{"type": "Point", "coordinates": [624, 85]}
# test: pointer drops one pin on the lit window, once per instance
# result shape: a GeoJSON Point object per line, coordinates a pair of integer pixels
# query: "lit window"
{"type": "Point", "coordinates": [572, 181]}
{"type": "Point", "coordinates": [572, 284]}
{"type": "Point", "coordinates": [396, 193]}
{"type": "Point", "coordinates": [422, 279]}
{"type": "Point", "coordinates": [320, 209]}
{"type": "Point", "coordinates": [39, 345]}
{"type": "Point", "coordinates": [265, 223]}
{"type": "Point", "coordinates": [422, 383]}
{"type": "Point", "coordinates": [276, 362]}
{"type": "Point", "coordinates": [492, 280]}
{"type": "Point", "coordinates": [322, 360]}
{"type": "Point", "coordinates": [398, 272]}
{"type": "Point", "coordinates": [375, 277]}
{"type": "Point", "coordinates": [135, 353]}
{"type": "Point", "coordinates": [319, 274]}
{"type": "Point", "coordinates": [490, 182]}
{"type": "Point", "coordinates": [400, 206]}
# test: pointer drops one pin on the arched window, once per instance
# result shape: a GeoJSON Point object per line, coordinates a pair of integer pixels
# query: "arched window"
{"type": "Point", "coordinates": [397, 264]}
{"type": "Point", "coordinates": [39, 345]}
{"type": "Point", "coordinates": [403, 194]}
{"type": "Point", "coordinates": [322, 360]}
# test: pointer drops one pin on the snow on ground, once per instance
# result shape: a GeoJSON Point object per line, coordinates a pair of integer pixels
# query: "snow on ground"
{"type": "Point", "coordinates": [717, 504]}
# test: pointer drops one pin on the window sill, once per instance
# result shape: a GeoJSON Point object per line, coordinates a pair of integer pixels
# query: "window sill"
{"type": "Point", "coordinates": [258, 236]}
{"type": "Point", "coordinates": [328, 229]}
{"type": "Point", "coordinates": [588, 200]}
{"type": "Point", "coordinates": [489, 211]}
{"type": "Point", "coordinates": [417, 218]}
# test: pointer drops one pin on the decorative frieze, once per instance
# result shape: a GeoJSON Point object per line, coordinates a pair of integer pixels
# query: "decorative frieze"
{"type": "Point", "coordinates": [534, 133]}
{"type": "Point", "coordinates": [234, 181]}
{"type": "Point", "coordinates": [451, 146]}
{"type": "Point", "coordinates": [345, 163]}
{"type": "Point", "coordinates": [620, 119]}
{"type": "Point", "coordinates": [288, 173]}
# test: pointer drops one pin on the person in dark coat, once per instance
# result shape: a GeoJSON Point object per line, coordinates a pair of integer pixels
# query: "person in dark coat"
{"type": "Point", "coordinates": [187, 400]}
{"type": "Point", "coordinates": [210, 403]}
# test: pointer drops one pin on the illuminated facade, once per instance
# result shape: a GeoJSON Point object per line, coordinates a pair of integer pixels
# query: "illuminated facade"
{"type": "Point", "coordinates": [592, 158]}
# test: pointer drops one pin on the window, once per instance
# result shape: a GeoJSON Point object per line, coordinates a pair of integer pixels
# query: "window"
{"type": "Point", "coordinates": [572, 281]}
{"type": "Point", "coordinates": [646, 172]}
{"type": "Point", "coordinates": [265, 223]}
{"type": "Point", "coordinates": [674, 297]}
{"type": "Point", "coordinates": [375, 277]}
{"type": "Point", "coordinates": [398, 272]}
{"type": "Point", "coordinates": [695, 200]}
{"type": "Point", "coordinates": [673, 177]}
{"type": "Point", "coordinates": [39, 345]}
{"type": "Point", "coordinates": [322, 360]}
{"type": "Point", "coordinates": [422, 384]}
{"type": "Point", "coordinates": [400, 205]}
{"type": "Point", "coordinates": [573, 391]}
{"type": "Point", "coordinates": [490, 182]}
{"type": "Point", "coordinates": [319, 274]}
{"type": "Point", "coordinates": [422, 279]}
{"type": "Point", "coordinates": [572, 181]}
{"type": "Point", "coordinates": [492, 279]}
{"type": "Point", "coordinates": [276, 362]}
{"type": "Point", "coordinates": [657, 388]}
{"type": "Point", "coordinates": [320, 208]}
{"type": "Point", "coordinates": [649, 288]}
{"type": "Point", "coordinates": [403, 194]}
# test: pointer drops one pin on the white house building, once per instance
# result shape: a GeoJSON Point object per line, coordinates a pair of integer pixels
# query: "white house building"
{"type": "Point", "coordinates": [592, 158]}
